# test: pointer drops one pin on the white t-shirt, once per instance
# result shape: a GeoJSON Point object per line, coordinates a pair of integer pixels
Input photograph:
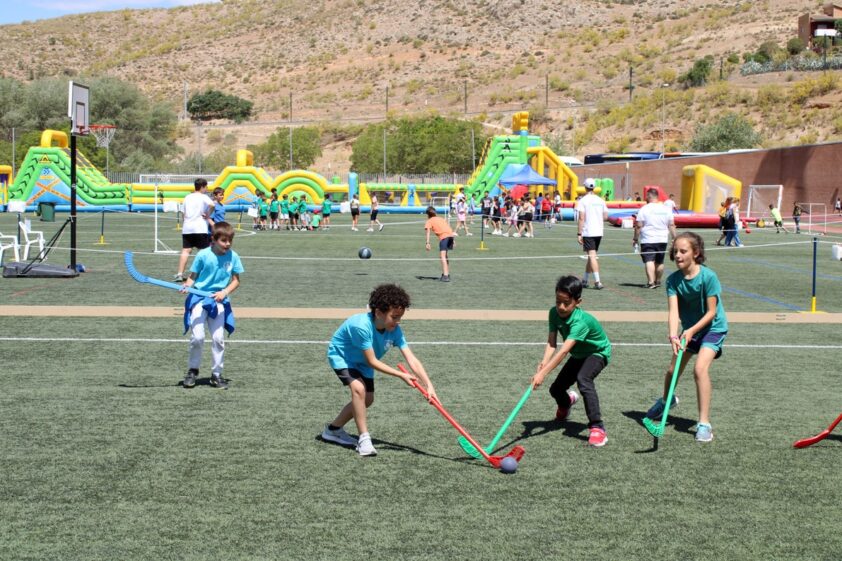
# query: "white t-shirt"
{"type": "Point", "coordinates": [594, 210]}
{"type": "Point", "coordinates": [670, 204]}
{"type": "Point", "coordinates": [197, 206]}
{"type": "Point", "coordinates": [655, 220]}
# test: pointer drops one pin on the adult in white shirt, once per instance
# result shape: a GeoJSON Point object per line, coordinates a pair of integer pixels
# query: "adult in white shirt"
{"type": "Point", "coordinates": [653, 229]}
{"type": "Point", "coordinates": [196, 210]}
{"type": "Point", "coordinates": [592, 216]}
{"type": "Point", "coordinates": [670, 203]}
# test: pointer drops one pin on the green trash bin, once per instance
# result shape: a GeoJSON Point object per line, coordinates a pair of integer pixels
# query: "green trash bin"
{"type": "Point", "coordinates": [47, 212]}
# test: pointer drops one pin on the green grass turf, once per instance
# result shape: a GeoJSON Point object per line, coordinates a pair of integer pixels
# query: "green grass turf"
{"type": "Point", "coordinates": [104, 457]}
{"type": "Point", "coordinates": [302, 269]}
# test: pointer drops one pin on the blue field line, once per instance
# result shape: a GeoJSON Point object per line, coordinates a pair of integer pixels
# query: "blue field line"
{"type": "Point", "coordinates": [766, 299]}
{"type": "Point", "coordinates": [805, 272]}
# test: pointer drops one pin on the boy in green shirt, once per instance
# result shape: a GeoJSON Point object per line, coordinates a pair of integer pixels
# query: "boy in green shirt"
{"type": "Point", "coordinates": [285, 212]}
{"type": "Point", "coordinates": [589, 349]}
{"type": "Point", "coordinates": [263, 205]}
{"type": "Point", "coordinates": [779, 221]}
{"type": "Point", "coordinates": [327, 207]}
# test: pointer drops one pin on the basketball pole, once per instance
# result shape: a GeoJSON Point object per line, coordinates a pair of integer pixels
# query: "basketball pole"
{"type": "Point", "coordinates": [72, 201]}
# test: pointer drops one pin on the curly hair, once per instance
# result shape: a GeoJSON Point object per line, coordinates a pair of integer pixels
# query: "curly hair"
{"type": "Point", "coordinates": [388, 296]}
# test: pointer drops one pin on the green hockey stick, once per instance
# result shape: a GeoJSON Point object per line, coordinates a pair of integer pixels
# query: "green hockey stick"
{"type": "Point", "coordinates": [471, 450]}
{"type": "Point", "coordinates": [657, 430]}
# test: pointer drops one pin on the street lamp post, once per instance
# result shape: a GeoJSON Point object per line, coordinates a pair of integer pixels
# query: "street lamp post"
{"type": "Point", "coordinates": [663, 116]}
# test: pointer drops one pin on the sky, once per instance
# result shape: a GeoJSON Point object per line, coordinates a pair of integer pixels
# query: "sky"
{"type": "Point", "coordinates": [16, 11]}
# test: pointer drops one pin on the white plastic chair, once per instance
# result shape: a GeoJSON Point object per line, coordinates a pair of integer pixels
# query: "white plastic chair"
{"type": "Point", "coordinates": [28, 241]}
{"type": "Point", "coordinates": [12, 244]}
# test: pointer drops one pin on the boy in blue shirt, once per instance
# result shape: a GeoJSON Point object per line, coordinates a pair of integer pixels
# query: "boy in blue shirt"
{"type": "Point", "coordinates": [354, 353]}
{"type": "Point", "coordinates": [217, 270]}
{"type": "Point", "coordinates": [218, 214]}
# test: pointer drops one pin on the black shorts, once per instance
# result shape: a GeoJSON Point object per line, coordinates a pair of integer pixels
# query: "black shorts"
{"type": "Point", "coordinates": [293, 215]}
{"type": "Point", "coordinates": [355, 212]}
{"type": "Point", "coordinates": [591, 243]}
{"type": "Point", "coordinates": [446, 244]}
{"type": "Point", "coordinates": [273, 215]}
{"type": "Point", "coordinates": [527, 217]}
{"type": "Point", "coordinates": [347, 375]}
{"type": "Point", "coordinates": [374, 214]}
{"type": "Point", "coordinates": [199, 241]}
{"type": "Point", "coordinates": [653, 252]}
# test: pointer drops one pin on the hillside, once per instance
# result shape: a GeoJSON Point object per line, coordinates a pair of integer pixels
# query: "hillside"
{"type": "Point", "coordinates": [336, 58]}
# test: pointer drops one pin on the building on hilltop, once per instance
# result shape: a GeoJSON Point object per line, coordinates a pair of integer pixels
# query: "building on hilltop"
{"type": "Point", "coordinates": [808, 24]}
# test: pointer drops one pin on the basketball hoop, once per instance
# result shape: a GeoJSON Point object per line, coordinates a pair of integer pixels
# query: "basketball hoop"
{"type": "Point", "coordinates": [103, 134]}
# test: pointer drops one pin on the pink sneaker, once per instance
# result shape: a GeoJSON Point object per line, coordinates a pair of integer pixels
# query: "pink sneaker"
{"type": "Point", "coordinates": [562, 414]}
{"type": "Point", "coordinates": [597, 437]}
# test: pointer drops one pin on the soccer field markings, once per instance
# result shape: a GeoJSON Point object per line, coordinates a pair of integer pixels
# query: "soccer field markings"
{"type": "Point", "coordinates": [181, 341]}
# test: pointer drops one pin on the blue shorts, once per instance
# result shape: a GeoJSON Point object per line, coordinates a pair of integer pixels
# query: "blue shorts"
{"type": "Point", "coordinates": [711, 339]}
{"type": "Point", "coordinates": [446, 244]}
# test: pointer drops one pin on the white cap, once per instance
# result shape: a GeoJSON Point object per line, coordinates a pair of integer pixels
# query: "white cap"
{"type": "Point", "coordinates": [590, 183]}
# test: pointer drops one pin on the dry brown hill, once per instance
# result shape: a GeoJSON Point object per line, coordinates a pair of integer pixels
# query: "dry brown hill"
{"type": "Point", "coordinates": [336, 58]}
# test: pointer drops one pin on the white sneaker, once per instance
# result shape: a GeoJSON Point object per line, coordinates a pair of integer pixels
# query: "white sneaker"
{"type": "Point", "coordinates": [380, 230]}
{"type": "Point", "coordinates": [516, 235]}
{"type": "Point", "coordinates": [353, 229]}
{"type": "Point", "coordinates": [339, 436]}
{"type": "Point", "coordinates": [364, 445]}
{"type": "Point", "coordinates": [469, 234]}
{"type": "Point", "coordinates": [456, 234]}
{"type": "Point", "coordinates": [505, 234]}
{"type": "Point", "coordinates": [370, 230]}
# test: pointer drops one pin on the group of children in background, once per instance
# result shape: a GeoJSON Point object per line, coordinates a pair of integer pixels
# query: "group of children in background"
{"type": "Point", "coordinates": [696, 325]}
{"type": "Point", "coordinates": [271, 213]}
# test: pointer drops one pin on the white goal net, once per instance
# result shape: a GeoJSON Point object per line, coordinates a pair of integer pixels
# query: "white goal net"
{"type": "Point", "coordinates": [759, 199]}
{"type": "Point", "coordinates": [813, 218]}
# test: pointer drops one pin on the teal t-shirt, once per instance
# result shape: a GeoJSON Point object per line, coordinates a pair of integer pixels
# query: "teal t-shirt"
{"type": "Point", "coordinates": [213, 272]}
{"type": "Point", "coordinates": [357, 334]}
{"type": "Point", "coordinates": [316, 220]}
{"type": "Point", "coordinates": [284, 207]}
{"type": "Point", "coordinates": [583, 328]}
{"type": "Point", "coordinates": [302, 206]}
{"type": "Point", "coordinates": [326, 207]}
{"type": "Point", "coordinates": [273, 206]}
{"type": "Point", "coordinates": [692, 299]}
{"type": "Point", "coordinates": [264, 208]}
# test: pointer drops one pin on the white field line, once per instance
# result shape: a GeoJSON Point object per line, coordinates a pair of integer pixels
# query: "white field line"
{"type": "Point", "coordinates": [414, 343]}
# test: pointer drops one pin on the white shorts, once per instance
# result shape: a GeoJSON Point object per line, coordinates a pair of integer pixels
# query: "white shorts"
{"type": "Point", "coordinates": [284, 216]}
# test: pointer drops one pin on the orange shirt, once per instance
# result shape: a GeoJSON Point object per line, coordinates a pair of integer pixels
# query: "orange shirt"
{"type": "Point", "coordinates": [439, 226]}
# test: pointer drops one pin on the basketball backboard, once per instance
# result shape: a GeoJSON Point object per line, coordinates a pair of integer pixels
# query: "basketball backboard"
{"type": "Point", "coordinates": [78, 108]}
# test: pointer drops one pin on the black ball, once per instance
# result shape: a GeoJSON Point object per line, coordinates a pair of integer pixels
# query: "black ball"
{"type": "Point", "coordinates": [364, 253]}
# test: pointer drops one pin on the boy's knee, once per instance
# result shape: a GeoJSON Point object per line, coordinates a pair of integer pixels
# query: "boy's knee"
{"type": "Point", "coordinates": [219, 340]}
{"type": "Point", "coordinates": [197, 340]}
{"type": "Point", "coordinates": [369, 399]}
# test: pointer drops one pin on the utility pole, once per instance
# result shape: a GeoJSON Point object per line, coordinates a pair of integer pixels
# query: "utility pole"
{"type": "Point", "coordinates": [631, 83]}
{"type": "Point", "coordinates": [387, 101]}
{"type": "Point", "coordinates": [465, 97]}
{"type": "Point", "coordinates": [290, 130]}
{"type": "Point", "coordinates": [547, 91]}
{"type": "Point", "coordinates": [184, 114]}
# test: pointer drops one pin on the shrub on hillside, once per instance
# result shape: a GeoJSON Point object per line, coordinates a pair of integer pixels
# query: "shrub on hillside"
{"type": "Point", "coordinates": [731, 131]}
{"type": "Point", "coordinates": [213, 104]}
{"type": "Point", "coordinates": [698, 75]}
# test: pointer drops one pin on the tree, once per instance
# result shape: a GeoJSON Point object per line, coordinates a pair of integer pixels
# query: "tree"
{"type": "Point", "coordinates": [213, 104]}
{"type": "Point", "coordinates": [698, 75]}
{"type": "Point", "coordinates": [418, 145]}
{"type": "Point", "coordinates": [731, 131]}
{"type": "Point", "coordinates": [274, 153]}
{"type": "Point", "coordinates": [794, 46]}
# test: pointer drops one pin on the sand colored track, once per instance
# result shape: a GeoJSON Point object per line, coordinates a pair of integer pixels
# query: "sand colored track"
{"type": "Point", "coordinates": [412, 314]}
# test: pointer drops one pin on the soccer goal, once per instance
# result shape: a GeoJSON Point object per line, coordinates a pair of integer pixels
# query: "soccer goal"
{"type": "Point", "coordinates": [167, 206]}
{"type": "Point", "coordinates": [759, 199]}
{"type": "Point", "coordinates": [813, 218]}
{"type": "Point", "coordinates": [439, 202]}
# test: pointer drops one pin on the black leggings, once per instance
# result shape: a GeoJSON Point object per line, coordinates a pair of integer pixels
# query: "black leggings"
{"type": "Point", "coordinates": [583, 372]}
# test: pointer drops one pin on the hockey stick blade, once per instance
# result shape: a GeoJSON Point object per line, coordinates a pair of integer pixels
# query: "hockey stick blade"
{"type": "Point", "coordinates": [128, 257]}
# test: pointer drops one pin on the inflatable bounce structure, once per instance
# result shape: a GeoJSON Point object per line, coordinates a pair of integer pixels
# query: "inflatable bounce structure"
{"type": "Point", "coordinates": [506, 161]}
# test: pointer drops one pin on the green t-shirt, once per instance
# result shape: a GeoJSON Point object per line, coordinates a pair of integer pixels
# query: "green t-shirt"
{"type": "Point", "coordinates": [316, 220]}
{"type": "Point", "coordinates": [776, 215]}
{"type": "Point", "coordinates": [326, 207]}
{"type": "Point", "coordinates": [273, 206]}
{"type": "Point", "coordinates": [284, 206]}
{"type": "Point", "coordinates": [583, 328]}
{"type": "Point", "coordinates": [692, 299]}
{"type": "Point", "coordinates": [302, 207]}
{"type": "Point", "coordinates": [264, 208]}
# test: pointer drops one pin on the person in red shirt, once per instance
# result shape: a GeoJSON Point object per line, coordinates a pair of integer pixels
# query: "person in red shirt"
{"type": "Point", "coordinates": [440, 228]}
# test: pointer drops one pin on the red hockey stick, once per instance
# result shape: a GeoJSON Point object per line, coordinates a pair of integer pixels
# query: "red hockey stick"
{"type": "Point", "coordinates": [804, 442]}
{"type": "Point", "coordinates": [516, 453]}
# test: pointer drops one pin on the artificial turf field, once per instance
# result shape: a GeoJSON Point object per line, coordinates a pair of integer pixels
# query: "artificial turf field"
{"type": "Point", "coordinates": [105, 457]}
